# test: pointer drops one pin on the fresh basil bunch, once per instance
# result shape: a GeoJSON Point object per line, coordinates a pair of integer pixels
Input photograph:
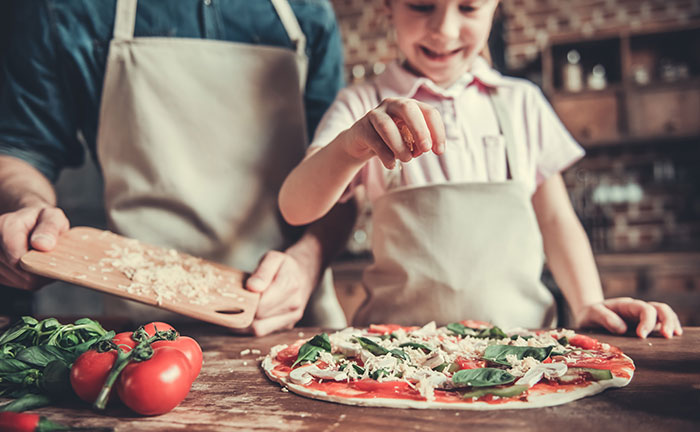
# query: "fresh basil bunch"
{"type": "Point", "coordinates": [36, 356]}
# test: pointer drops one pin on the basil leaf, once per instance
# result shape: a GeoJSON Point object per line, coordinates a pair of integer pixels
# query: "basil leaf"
{"type": "Point", "coordinates": [487, 333]}
{"type": "Point", "coordinates": [310, 350]}
{"type": "Point", "coordinates": [56, 379]}
{"type": "Point", "coordinates": [378, 374]}
{"type": "Point", "coordinates": [399, 354]}
{"type": "Point", "coordinates": [563, 341]}
{"type": "Point", "coordinates": [372, 346]}
{"type": "Point", "coordinates": [379, 350]}
{"type": "Point", "coordinates": [440, 368]}
{"type": "Point", "coordinates": [10, 366]}
{"type": "Point", "coordinates": [27, 402]}
{"type": "Point", "coordinates": [492, 333]}
{"type": "Point", "coordinates": [416, 345]}
{"type": "Point", "coordinates": [23, 330]}
{"type": "Point", "coordinates": [461, 330]}
{"type": "Point", "coordinates": [498, 353]}
{"type": "Point", "coordinates": [40, 356]}
{"type": "Point", "coordinates": [483, 377]}
{"type": "Point", "coordinates": [360, 370]}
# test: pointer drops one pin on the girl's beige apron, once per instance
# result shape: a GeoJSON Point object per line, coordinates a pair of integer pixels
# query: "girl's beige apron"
{"type": "Point", "coordinates": [195, 139]}
{"type": "Point", "coordinates": [449, 252]}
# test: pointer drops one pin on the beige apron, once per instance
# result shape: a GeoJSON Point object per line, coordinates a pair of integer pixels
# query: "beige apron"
{"type": "Point", "coordinates": [450, 252]}
{"type": "Point", "coordinates": [195, 138]}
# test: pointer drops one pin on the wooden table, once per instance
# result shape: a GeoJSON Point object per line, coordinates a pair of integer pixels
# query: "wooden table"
{"type": "Point", "coordinates": [232, 393]}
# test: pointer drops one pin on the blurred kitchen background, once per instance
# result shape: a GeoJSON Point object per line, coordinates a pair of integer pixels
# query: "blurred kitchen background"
{"type": "Point", "coordinates": [623, 75]}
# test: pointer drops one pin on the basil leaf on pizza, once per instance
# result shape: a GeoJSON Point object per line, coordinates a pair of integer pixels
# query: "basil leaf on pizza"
{"type": "Point", "coordinates": [484, 333]}
{"type": "Point", "coordinates": [482, 377]}
{"type": "Point", "coordinates": [465, 365]}
{"type": "Point", "coordinates": [309, 351]}
{"type": "Point", "coordinates": [502, 354]}
{"type": "Point", "coordinates": [415, 345]}
{"type": "Point", "coordinates": [378, 350]}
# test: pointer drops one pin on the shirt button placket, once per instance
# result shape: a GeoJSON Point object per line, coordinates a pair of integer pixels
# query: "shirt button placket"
{"type": "Point", "coordinates": [210, 30]}
{"type": "Point", "coordinates": [450, 117]}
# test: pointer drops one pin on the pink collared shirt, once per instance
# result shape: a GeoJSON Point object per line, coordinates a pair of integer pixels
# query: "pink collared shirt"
{"type": "Point", "coordinates": [475, 149]}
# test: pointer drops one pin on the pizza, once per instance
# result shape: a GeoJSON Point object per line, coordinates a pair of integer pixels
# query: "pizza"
{"type": "Point", "coordinates": [465, 365]}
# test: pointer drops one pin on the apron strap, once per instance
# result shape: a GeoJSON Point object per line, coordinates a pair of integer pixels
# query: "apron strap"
{"type": "Point", "coordinates": [296, 35]}
{"type": "Point", "coordinates": [125, 19]}
{"type": "Point", "coordinates": [291, 25]}
{"type": "Point", "coordinates": [504, 123]}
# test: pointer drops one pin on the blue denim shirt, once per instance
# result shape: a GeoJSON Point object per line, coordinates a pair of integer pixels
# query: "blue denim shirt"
{"type": "Point", "coordinates": [56, 59]}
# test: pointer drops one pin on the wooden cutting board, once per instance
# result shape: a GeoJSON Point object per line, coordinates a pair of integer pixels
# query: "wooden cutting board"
{"type": "Point", "coordinates": [101, 260]}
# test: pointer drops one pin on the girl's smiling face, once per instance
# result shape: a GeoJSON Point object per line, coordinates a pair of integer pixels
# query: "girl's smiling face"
{"type": "Point", "coordinates": [441, 38]}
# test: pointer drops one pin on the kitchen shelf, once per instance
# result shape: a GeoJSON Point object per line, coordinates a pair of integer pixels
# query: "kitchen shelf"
{"type": "Point", "coordinates": [652, 89]}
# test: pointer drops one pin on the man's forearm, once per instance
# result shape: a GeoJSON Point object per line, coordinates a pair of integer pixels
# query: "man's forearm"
{"type": "Point", "coordinates": [323, 239]}
{"type": "Point", "coordinates": [22, 185]}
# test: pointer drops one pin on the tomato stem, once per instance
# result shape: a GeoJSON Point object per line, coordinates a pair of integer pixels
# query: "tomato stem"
{"type": "Point", "coordinates": [141, 352]}
{"type": "Point", "coordinates": [123, 359]}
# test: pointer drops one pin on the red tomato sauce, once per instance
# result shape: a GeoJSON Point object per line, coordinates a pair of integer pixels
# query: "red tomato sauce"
{"type": "Point", "coordinates": [370, 389]}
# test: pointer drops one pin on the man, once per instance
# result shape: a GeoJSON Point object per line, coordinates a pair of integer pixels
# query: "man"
{"type": "Point", "coordinates": [194, 112]}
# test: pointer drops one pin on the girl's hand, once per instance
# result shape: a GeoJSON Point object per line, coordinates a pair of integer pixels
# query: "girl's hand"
{"type": "Point", "coordinates": [399, 128]}
{"type": "Point", "coordinates": [614, 314]}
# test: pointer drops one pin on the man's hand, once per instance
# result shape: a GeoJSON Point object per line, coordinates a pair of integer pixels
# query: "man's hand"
{"type": "Point", "coordinates": [285, 289]}
{"type": "Point", "coordinates": [22, 230]}
{"type": "Point", "coordinates": [615, 314]}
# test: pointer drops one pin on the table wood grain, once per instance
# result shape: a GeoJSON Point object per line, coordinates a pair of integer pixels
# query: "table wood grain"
{"type": "Point", "coordinates": [232, 393]}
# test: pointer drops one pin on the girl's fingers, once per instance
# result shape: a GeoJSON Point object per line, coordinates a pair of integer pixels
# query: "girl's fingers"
{"type": "Point", "coordinates": [635, 309]}
{"type": "Point", "coordinates": [388, 144]}
{"type": "Point", "coordinates": [668, 320]}
{"type": "Point", "coordinates": [412, 115]}
{"type": "Point", "coordinates": [437, 128]}
{"type": "Point", "coordinates": [610, 320]}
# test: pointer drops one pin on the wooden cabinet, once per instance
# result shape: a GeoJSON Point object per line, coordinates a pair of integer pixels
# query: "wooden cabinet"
{"type": "Point", "coordinates": [671, 278]}
{"type": "Point", "coordinates": [673, 112]}
{"type": "Point", "coordinates": [626, 87]}
{"type": "Point", "coordinates": [590, 117]}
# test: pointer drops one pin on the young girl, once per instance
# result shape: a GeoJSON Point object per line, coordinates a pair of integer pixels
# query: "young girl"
{"type": "Point", "coordinates": [462, 222]}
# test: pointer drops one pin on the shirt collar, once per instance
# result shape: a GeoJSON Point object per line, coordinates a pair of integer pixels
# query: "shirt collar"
{"type": "Point", "coordinates": [397, 81]}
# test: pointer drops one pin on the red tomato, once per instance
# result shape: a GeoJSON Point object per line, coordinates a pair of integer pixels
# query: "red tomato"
{"type": "Point", "coordinates": [475, 324]}
{"type": "Point", "coordinates": [124, 341]}
{"type": "Point", "coordinates": [151, 327]}
{"type": "Point", "coordinates": [18, 422]}
{"type": "Point", "coordinates": [585, 342]}
{"type": "Point", "coordinates": [89, 373]}
{"type": "Point", "coordinates": [388, 328]}
{"type": "Point", "coordinates": [157, 385]}
{"type": "Point", "coordinates": [289, 355]}
{"type": "Point", "coordinates": [465, 363]}
{"type": "Point", "coordinates": [190, 348]}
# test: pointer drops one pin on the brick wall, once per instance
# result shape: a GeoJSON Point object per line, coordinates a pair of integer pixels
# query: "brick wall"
{"type": "Point", "coordinates": [531, 23]}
